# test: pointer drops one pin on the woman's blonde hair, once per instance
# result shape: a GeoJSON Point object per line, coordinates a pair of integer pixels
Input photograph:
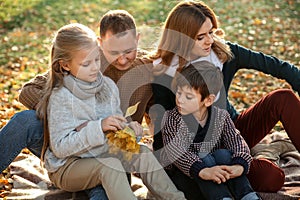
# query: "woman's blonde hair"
{"type": "Point", "coordinates": [68, 40]}
{"type": "Point", "coordinates": [179, 34]}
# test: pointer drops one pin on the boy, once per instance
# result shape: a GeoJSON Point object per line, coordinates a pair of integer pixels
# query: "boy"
{"type": "Point", "coordinates": [205, 151]}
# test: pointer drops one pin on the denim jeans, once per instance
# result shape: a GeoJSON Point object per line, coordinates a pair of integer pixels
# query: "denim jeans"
{"type": "Point", "coordinates": [23, 130]}
{"type": "Point", "coordinates": [237, 187]}
{"type": "Point", "coordinates": [97, 193]}
{"type": "Point", "coordinates": [197, 188]}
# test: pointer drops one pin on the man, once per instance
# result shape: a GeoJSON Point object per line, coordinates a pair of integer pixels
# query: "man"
{"type": "Point", "coordinates": [118, 41]}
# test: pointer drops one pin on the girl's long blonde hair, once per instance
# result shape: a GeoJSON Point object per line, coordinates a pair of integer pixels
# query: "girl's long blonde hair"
{"type": "Point", "coordinates": [68, 39]}
{"type": "Point", "coordinates": [179, 34]}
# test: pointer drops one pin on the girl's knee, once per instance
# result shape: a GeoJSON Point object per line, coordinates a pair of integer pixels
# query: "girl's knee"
{"type": "Point", "coordinates": [111, 164]}
{"type": "Point", "coordinates": [144, 149]}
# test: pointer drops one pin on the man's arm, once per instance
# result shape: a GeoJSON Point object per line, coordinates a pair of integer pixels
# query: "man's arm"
{"type": "Point", "coordinates": [33, 91]}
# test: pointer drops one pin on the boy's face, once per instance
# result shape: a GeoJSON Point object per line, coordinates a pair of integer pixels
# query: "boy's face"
{"type": "Point", "coordinates": [120, 50]}
{"type": "Point", "coordinates": [188, 100]}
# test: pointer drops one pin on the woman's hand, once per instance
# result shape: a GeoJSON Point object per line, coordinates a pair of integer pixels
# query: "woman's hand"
{"type": "Point", "coordinates": [217, 174]}
{"type": "Point", "coordinates": [113, 123]}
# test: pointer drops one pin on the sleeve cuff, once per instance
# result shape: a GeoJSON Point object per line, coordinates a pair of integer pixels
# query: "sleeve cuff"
{"type": "Point", "coordinates": [196, 168]}
{"type": "Point", "coordinates": [242, 162]}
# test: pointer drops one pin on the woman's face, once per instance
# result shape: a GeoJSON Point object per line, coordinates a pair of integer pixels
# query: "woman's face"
{"type": "Point", "coordinates": [203, 40]}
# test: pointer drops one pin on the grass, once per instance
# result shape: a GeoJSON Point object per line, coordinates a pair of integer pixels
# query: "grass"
{"type": "Point", "coordinates": [27, 27]}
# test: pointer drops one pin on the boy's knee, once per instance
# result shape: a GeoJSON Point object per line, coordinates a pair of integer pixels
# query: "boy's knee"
{"type": "Point", "coordinates": [223, 156]}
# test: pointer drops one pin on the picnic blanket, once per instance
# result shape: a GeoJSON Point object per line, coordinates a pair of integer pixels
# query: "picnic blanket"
{"type": "Point", "coordinates": [30, 181]}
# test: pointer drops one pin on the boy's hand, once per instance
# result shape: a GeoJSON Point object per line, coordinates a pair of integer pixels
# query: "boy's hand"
{"type": "Point", "coordinates": [218, 174]}
{"type": "Point", "coordinates": [235, 170]}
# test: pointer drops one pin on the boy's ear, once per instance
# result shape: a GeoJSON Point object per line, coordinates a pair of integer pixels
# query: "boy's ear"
{"type": "Point", "coordinates": [64, 65]}
{"type": "Point", "coordinates": [208, 101]}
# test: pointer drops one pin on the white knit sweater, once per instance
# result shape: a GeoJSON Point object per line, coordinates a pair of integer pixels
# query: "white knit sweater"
{"type": "Point", "coordinates": [65, 113]}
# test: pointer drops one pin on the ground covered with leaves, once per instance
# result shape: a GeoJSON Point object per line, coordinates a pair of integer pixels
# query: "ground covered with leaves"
{"type": "Point", "coordinates": [27, 27]}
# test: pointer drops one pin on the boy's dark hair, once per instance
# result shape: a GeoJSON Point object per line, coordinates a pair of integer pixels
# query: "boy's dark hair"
{"type": "Point", "coordinates": [202, 76]}
{"type": "Point", "coordinates": [117, 21]}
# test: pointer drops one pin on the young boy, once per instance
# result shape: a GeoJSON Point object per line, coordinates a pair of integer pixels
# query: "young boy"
{"type": "Point", "coordinates": [203, 148]}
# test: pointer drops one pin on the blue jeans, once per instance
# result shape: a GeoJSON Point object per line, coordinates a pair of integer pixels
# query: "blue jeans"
{"type": "Point", "coordinates": [238, 187]}
{"type": "Point", "coordinates": [97, 193]}
{"type": "Point", "coordinates": [23, 130]}
{"type": "Point", "coordinates": [197, 188]}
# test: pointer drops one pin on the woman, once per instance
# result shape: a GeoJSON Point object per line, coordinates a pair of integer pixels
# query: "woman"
{"type": "Point", "coordinates": [191, 34]}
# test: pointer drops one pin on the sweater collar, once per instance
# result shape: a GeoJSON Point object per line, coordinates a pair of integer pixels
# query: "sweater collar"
{"type": "Point", "coordinates": [84, 90]}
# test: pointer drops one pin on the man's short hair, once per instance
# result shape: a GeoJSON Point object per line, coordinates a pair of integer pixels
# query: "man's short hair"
{"type": "Point", "coordinates": [117, 21]}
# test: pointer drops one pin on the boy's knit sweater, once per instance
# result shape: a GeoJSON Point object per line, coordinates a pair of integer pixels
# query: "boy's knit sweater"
{"type": "Point", "coordinates": [182, 149]}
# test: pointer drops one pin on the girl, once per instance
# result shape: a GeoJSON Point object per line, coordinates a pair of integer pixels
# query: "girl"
{"type": "Point", "coordinates": [79, 107]}
{"type": "Point", "coordinates": [191, 33]}
{"type": "Point", "coordinates": [195, 134]}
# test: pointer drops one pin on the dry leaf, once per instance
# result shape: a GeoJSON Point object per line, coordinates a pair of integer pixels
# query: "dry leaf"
{"type": "Point", "coordinates": [131, 110]}
{"type": "Point", "coordinates": [123, 141]}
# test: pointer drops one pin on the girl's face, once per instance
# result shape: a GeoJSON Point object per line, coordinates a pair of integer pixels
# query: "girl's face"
{"type": "Point", "coordinates": [203, 41]}
{"type": "Point", "coordinates": [85, 64]}
{"type": "Point", "coordinates": [188, 100]}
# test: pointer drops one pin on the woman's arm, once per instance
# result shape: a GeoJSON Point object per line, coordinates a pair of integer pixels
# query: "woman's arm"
{"type": "Point", "coordinates": [246, 58]}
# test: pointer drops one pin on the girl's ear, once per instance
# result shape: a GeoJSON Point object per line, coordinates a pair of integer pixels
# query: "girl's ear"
{"type": "Point", "coordinates": [208, 101]}
{"type": "Point", "coordinates": [64, 65]}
